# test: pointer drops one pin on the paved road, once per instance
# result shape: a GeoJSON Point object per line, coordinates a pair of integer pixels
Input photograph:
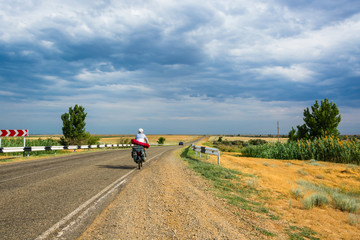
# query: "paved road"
{"type": "Point", "coordinates": [53, 197]}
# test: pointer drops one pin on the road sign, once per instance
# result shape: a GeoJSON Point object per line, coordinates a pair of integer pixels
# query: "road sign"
{"type": "Point", "coordinates": [14, 133]}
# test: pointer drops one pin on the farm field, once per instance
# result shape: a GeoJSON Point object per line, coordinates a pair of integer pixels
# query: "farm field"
{"type": "Point", "coordinates": [247, 138]}
{"type": "Point", "coordinates": [116, 139]}
{"type": "Point", "coordinates": [169, 139]}
{"type": "Point", "coordinates": [287, 183]}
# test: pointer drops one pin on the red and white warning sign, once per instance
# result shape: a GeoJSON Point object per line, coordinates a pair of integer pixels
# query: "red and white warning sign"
{"type": "Point", "coordinates": [14, 133]}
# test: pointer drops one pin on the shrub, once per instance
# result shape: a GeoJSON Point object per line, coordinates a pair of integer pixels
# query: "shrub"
{"type": "Point", "coordinates": [257, 142]}
{"type": "Point", "coordinates": [353, 219]}
{"type": "Point", "coordinates": [345, 203]}
{"type": "Point", "coordinates": [161, 140]}
{"type": "Point", "coordinates": [297, 193]}
{"type": "Point", "coordinates": [315, 200]}
{"type": "Point", "coordinates": [303, 172]}
{"type": "Point", "coordinates": [314, 163]}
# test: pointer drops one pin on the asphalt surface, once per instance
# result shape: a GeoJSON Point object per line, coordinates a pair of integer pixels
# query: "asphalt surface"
{"type": "Point", "coordinates": [57, 198]}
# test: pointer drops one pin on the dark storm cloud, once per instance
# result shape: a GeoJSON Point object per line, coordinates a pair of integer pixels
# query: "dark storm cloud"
{"type": "Point", "coordinates": [239, 58]}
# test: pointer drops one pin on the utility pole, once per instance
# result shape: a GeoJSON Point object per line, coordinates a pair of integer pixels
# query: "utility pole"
{"type": "Point", "coordinates": [278, 128]}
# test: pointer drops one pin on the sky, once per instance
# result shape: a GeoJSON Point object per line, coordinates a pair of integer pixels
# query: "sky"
{"type": "Point", "coordinates": [178, 67]}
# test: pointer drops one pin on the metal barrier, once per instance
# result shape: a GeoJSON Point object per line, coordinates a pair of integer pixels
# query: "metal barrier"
{"type": "Point", "coordinates": [54, 148]}
{"type": "Point", "coordinates": [207, 150]}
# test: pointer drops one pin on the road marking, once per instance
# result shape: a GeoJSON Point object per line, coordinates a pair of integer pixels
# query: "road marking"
{"type": "Point", "coordinates": [106, 191]}
{"type": "Point", "coordinates": [83, 215]}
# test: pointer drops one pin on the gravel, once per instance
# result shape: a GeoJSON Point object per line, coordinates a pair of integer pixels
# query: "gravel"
{"type": "Point", "coordinates": [167, 200]}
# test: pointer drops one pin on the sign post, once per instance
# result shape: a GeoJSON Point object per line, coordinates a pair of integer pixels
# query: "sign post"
{"type": "Point", "coordinates": [14, 133]}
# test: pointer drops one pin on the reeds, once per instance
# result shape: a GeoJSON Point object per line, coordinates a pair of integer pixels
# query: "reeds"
{"type": "Point", "coordinates": [19, 142]}
{"type": "Point", "coordinates": [330, 149]}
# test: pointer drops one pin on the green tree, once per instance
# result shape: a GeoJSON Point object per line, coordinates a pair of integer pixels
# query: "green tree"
{"type": "Point", "coordinates": [74, 126]}
{"type": "Point", "coordinates": [321, 120]}
{"type": "Point", "coordinates": [161, 140]}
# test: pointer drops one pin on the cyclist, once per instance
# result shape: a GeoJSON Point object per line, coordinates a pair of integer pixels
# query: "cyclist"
{"type": "Point", "coordinates": [141, 137]}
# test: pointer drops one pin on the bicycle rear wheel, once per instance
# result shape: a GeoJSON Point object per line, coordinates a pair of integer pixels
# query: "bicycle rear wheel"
{"type": "Point", "coordinates": [139, 164]}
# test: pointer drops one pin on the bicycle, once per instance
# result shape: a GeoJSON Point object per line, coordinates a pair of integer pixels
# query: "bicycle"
{"type": "Point", "coordinates": [138, 154]}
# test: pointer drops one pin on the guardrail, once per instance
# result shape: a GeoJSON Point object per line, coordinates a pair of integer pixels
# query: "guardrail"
{"type": "Point", "coordinates": [54, 148]}
{"type": "Point", "coordinates": [207, 150]}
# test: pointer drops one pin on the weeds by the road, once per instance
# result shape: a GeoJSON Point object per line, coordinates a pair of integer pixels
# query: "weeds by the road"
{"type": "Point", "coordinates": [344, 201]}
{"type": "Point", "coordinates": [235, 187]}
{"type": "Point", "coordinates": [297, 233]}
{"type": "Point", "coordinates": [242, 190]}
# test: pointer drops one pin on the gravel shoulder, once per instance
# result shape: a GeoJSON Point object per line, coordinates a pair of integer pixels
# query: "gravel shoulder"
{"type": "Point", "coordinates": [166, 200]}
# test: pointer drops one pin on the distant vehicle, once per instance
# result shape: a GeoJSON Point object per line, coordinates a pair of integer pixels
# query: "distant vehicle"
{"type": "Point", "coordinates": [181, 143]}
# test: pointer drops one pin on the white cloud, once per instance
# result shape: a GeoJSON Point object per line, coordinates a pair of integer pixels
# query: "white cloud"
{"type": "Point", "coordinates": [98, 75]}
{"type": "Point", "coordinates": [294, 73]}
{"type": "Point", "coordinates": [329, 41]}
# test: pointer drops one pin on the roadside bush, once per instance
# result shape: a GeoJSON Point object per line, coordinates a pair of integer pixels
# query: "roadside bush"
{"type": "Point", "coordinates": [86, 139]}
{"type": "Point", "coordinates": [91, 139]}
{"type": "Point", "coordinates": [257, 142]}
{"type": "Point", "coordinates": [297, 193]}
{"type": "Point", "coordinates": [124, 140]}
{"type": "Point", "coordinates": [353, 219]}
{"type": "Point", "coordinates": [229, 146]}
{"type": "Point", "coordinates": [315, 200]}
{"type": "Point", "coordinates": [345, 203]}
{"type": "Point", "coordinates": [161, 140]}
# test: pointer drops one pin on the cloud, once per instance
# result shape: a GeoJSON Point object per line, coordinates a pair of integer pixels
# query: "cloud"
{"type": "Point", "coordinates": [294, 73]}
{"type": "Point", "coordinates": [219, 63]}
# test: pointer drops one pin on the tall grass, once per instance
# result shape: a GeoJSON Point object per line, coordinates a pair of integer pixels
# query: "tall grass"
{"type": "Point", "coordinates": [328, 149]}
{"type": "Point", "coordinates": [19, 142]}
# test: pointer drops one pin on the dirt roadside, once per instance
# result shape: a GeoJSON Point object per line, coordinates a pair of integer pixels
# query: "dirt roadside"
{"type": "Point", "coordinates": [166, 200]}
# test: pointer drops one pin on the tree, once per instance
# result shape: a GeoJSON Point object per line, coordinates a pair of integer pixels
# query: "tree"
{"type": "Point", "coordinates": [74, 126]}
{"type": "Point", "coordinates": [161, 140]}
{"type": "Point", "coordinates": [321, 121]}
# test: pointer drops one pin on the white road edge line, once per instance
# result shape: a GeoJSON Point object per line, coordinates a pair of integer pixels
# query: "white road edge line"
{"type": "Point", "coordinates": [81, 216]}
{"type": "Point", "coordinates": [109, 188]}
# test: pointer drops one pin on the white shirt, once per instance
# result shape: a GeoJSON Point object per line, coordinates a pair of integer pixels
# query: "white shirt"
{"type": "Point", "coordinates": [141, 138]}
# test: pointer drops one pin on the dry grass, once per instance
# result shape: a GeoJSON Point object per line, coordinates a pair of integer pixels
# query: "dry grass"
{"type": "Point", "coordinates": [245, 139]}
{"type": "Point", "coordinates": [115, 139]}
{"type": "Point", "coordinates": [35, 137]}
{"type": "Point", "coordinates": [170, 139]}
{"type": "Point", "coordinates": [280, 178]}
